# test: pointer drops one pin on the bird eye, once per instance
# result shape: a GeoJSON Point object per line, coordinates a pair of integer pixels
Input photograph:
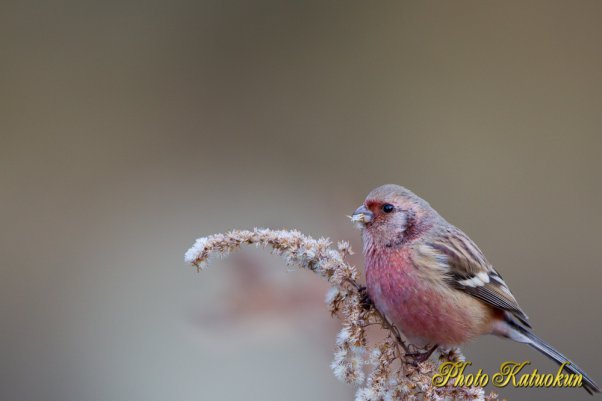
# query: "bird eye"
{"type": "Point", "coordinates": [388, 208]}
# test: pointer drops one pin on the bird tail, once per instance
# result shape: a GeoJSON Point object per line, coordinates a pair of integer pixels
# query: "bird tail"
{"type": "Point", "coordinates": [530, 338]}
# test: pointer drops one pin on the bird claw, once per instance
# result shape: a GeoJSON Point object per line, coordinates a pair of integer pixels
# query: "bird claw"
{"type": "Point", "coordinates": [365, 300]}
{"type": "Point", "coordinates": [418, 357]}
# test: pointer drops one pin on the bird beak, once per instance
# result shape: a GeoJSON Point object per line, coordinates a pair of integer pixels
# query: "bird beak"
{"type": "Point", "coordinates": [362, 216]}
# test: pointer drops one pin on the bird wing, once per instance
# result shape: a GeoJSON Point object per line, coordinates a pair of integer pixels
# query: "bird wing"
{"type": "Point", "coordinates": [466, 269]}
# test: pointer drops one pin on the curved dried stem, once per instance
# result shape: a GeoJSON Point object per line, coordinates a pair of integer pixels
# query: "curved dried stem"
{"type": "Point", "coordinates": [382, 370]}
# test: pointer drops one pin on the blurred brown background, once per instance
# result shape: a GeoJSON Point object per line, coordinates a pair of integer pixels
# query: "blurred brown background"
{"type": "Point", "coordinates": [130, 128]}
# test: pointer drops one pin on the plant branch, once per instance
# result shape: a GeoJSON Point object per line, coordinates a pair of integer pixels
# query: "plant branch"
{"type": "Point", "coordinates": [391, 372]}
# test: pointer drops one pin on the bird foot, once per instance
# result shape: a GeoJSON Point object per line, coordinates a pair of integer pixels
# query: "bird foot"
{"type": "Point", "coordinates": [365, 300]}
{"type": "Point", "coordinates": [418, 357]}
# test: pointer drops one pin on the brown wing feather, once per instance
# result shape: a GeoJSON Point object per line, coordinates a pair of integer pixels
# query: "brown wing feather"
{"type": "Point", "coordinates": [467, 266]}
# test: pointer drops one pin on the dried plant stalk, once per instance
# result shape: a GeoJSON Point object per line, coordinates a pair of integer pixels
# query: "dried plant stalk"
{"type": "Point", "coordinates": [383, 370]}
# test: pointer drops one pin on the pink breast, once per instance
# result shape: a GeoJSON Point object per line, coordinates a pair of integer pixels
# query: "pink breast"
{"type": "Point", "coordinates": [424, 313]}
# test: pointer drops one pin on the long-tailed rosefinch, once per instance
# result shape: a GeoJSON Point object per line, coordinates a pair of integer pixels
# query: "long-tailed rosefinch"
{"type": "Point", "coordinates": [432, 282]}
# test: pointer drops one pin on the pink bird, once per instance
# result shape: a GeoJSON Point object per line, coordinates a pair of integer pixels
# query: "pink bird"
{"type": "Point", "coordinates": [433, 283]}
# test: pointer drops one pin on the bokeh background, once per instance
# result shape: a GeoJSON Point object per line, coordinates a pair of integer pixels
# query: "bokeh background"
{"type": "Point", "coordinates": [130, 128]}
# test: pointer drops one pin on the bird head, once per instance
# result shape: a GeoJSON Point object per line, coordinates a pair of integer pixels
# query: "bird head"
{"type": "Point", "coordinates": [392, 215]}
